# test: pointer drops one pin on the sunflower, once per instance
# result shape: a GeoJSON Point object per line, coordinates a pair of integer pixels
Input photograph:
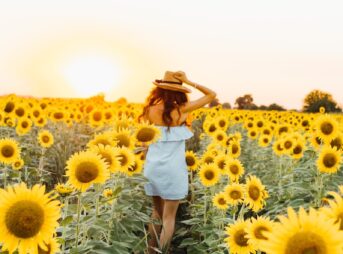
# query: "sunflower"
{"type": "Point", "coordinates": [256, 229]}
{"type": "Point", "coordinates": [136, 167]}
{"type": "Point", "coordinates": [209, 174]}
{"type": "Point", "coordinates": [220, 137]}
{"type": "Point", "coordinates": [147, 133]}
{"type": "Point", "coordinates": [210, 126]}
{"type": "Point", "coordinates": [191, 160]}
{"type": "Point", "coordinates": [234, 149]}
{"type": "Point", "coordinates": [303, 233]}
{"type": "Point", "coordinates": [253, 133]}
{"type": "Point", "coordinates": [222, 122]}
{"type": "Point", "coordinates": [96, 118]}
{"type": "Point", "coordinates": [234, 193]}
{"type": "Point", "coordinates": [9, 150]}
{"type": "Point", "coordinates": [23, 126]}
{"type": "Point", "coordinates": [63, 189]}
{"type": "Point", "coordinates": [221, 162]}
{"type": "Point", "coordinates": [335, 209]}
{"type": "Point", "coordinates": [288, 144]}
{"type": "Point", "coordinates": [45, 138]}
{"type": "Point", "coordinates": [237, 240]}
{"type": "Point", "coordinates": [219, 201]}
{"type": "Point", "coordinates": [316, 141]}
{"type": "Point", "coordinates": [298, 150]}
{"type": "Point", "coordinates": [255, 193]}
{"type": "Point", "coordinates": [337, 142]}
{"type": "Point", "coordinates": [104, 138]}
{"type": "Point", "coordinates": [124, 138]}
{"type": "Point", "coordinates": [41, 122]}
{"type": "Point", "coordinates": [109, 154]}
{"type": "Point", "coordinates": [264, 140]}
{"type": "Point", "coordinates": [329, 160]}
{"type": "Point", "coordinates": [28, 218]}
{"type": "Point", "coordinates": [126, 159]}
{"type": "Point", "coordinates": [18, 164]}
{"type": "Point", "coordinates": [235, 169]}
{"type": "Point", "coordinates": [208, 157]}
{"type": "Point", "coordinates": [85, 168]}
{"type": "Point", "coordinates": [326, 127]}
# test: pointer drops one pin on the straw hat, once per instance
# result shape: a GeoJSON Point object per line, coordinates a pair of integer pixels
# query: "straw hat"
{"type": "Point", "coordinates": [169, 82]}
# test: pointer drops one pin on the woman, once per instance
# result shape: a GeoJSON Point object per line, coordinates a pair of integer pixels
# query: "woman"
{"type": "Point", "coordinates": [165, 166]}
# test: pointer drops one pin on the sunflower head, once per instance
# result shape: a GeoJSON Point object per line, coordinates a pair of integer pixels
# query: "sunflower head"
{"type": "Point", "coordinates": [9, 150]}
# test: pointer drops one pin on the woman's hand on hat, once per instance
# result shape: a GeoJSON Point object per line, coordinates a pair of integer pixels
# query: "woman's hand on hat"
{"type": "Point", "coordinates": [180, 75]}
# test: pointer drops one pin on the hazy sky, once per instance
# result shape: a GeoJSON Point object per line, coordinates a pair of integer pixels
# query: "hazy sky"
{"type": "Point", "coordinates": [278, 51]}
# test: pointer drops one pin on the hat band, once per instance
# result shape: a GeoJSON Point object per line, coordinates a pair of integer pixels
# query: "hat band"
{"type": "Point", "coordinates": [168, 82]}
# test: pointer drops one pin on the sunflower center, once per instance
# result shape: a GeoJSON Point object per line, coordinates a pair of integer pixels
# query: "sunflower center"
{"type": "Point", "coordinates": [209, 175]}
{"type": "Point", "coordinates": [265, 140]}
{"type": "Point", "coordinates": [329, 160]}
{"type": "Point", "coordinates": [20, 112]}
{"type": "Point", "coordinates": [258, 232]}
{"type": "Point", "coordinates": [222, 123]}
{"type": "Point", "coordinates": [297, 150]}
{"type": "Point", "coordinates": [24, 124]}
{"type": "Point", "coordinates": [9, 107]}
{"type": "Point", "coordinates": [288, 144]}
{"type": "Point", "coordinates": [234, 148]}
{"type": "Point", "coordinates": [337, 142]}
{"type": "Point", "coordinates": [250, 125]}
{"type": "Point", "coordinates": [17, 164]}
{"type": "Point", "coordinates": [240, 238]}
{"type": "Point", "coordinates": [190, 160]}
{"type": "Point", "coordinates": [235, 195]}
{"type": "Point", "coordinates": [45, 139]}
{"type": "Point", "coordinates": [123, 140]}
{"type": "Point", "coordinates": [122, 159]}
{"type": "Point", "coordinates": [145, 135]}
{"type": "Point", "coordinates": [133, 168]}
{"type": "Point", "coordinates": [234, 169]}
{"type": "Point", "coordinates": [86, 172]}
{"type": "Point", "coordinates": [221, 201]}
{"type": "Point", "coordinates": [208, 159]}
{"type": "Point", "coordinates": [221, 164]}
{"type": "Point", "coordinates": [7, 151]}
{"type": "Point", "coordinates": [107, 158]}
{"type": "Point", "coordinates": [254, 192]}
{"type": "Point", "coordinates": [212, 128]}
{"type": "Point", "coordinates": [24, 219]}
{"type": "Point", "coordinates": [58, 115]}
{"type": "Point", "coordinates": [220, 137]}
{"type": "Point", "coordinates": [326, 128]}
{"type": "Point", "coordinates": [306, 243]}
{"type": "Point", "coordinates": [36, 113]}
{"type": "Point", "coordinates": [97, 116]}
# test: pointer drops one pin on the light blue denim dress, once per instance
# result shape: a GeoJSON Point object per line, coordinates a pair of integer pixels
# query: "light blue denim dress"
{"type": "Point", "coordinates": [165, 164]}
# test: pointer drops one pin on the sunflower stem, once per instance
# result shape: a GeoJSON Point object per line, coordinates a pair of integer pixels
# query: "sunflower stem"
{"type": "Point", "coordinates": [78, 219]}
{"type": "Point", "coordinates": [5, 177]}
{"type": "Point", "coordinates": [66, 202]}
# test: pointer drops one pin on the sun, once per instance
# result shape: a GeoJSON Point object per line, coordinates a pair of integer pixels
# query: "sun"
{"type": "Point", "coordinates": [90, 74]}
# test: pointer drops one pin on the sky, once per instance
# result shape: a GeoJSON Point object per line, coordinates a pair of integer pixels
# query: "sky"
{"type": "Point", "coordinates": [278, 51]}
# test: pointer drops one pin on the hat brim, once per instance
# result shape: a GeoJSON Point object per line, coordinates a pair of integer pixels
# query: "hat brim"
{"type": "Point", "coordinates": [178, 88]}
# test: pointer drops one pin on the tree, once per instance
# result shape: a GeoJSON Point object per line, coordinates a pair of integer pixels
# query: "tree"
{"type": "Point", "coordinates": [214, 103]}
{"type": "Point", "coordinates": [226, 105]}
{"type": "Point", "coordinates": [316, 99]}
{"type": "Point", "coordinates": [275, 106]}
{"type": "Point", "coordinates": [245, 102]}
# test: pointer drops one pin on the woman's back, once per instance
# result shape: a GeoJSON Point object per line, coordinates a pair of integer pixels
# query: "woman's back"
{"type": "Point", "coordinates": [155, 112]}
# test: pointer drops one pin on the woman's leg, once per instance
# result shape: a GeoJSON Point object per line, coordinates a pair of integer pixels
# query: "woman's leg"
{"type": "Point", "coordinates": [168, 219]}
{"type": "Point", "coordinates": [155, 229]}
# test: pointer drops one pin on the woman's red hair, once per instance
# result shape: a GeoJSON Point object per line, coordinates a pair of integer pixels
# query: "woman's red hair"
{"type": "Point", "coordinates": [171, 100]}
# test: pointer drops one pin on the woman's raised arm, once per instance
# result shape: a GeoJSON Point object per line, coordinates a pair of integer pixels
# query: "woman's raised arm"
{"type": "Point", "coordinates": [209, 95]}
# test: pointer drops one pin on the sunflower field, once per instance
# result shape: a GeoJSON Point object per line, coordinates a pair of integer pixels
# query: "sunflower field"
{"type": "Point", "coordinates": [259, 181]}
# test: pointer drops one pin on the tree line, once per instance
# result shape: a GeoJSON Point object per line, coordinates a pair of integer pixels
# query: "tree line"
{"type": "Point", "coordinates": [315, 101]}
